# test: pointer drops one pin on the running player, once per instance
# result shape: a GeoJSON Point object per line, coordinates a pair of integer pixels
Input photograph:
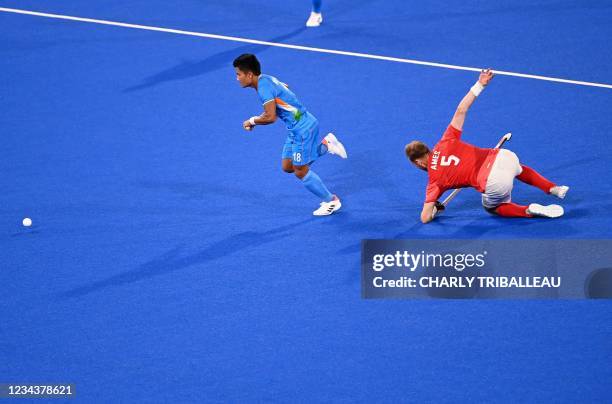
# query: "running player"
{"type": "Point", "coordinates": [316, 18]}
{"type": "Point", "coordinates": [304, 144]}
{"type": "Point", "coordinates": [455, 164]}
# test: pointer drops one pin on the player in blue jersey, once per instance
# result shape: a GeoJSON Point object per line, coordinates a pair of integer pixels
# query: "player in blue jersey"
{"type": "Point", "coordinates": [304, 145]}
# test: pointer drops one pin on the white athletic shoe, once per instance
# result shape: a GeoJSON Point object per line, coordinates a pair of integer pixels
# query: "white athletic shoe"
{"type": "Point", "coordinates": [551, 211]}
{"type": "Point", "coordinates": [559, 191]}
{"type": "Point", "coordinates": [314, 20]}
{"type": "Point", "coordinates": [327, 208]}
{"type": "Point", "coordinates": [334, 146]}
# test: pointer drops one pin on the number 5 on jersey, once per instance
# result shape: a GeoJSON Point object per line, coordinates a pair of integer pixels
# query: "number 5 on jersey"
{"type": "Point", "coordinates": [448, 160]}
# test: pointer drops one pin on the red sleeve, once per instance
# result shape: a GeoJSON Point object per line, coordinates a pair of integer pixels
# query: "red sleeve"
{"type": "Point", "coordinates": [432, 193]}
{"type": "Point", "coordinates": [451, 133]}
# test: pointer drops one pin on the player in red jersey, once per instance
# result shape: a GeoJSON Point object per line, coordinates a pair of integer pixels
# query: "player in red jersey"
{"type": "Point", "coordinates": [455, 164]}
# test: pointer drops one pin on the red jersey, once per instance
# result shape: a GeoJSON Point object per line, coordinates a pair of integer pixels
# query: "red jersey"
{"type": "Point", "coordinates": [456, 164]}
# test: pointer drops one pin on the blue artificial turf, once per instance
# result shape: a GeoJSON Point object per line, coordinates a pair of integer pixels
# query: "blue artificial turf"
{"type": "Point", "coordinates": [171, 260]}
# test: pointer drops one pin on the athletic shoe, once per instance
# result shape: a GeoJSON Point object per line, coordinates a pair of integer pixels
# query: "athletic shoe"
{"type": "Point", "coordinates": [551, 211]}
{"type": "Point", "coordinates": [559, 191]}
{"type": "Point", "coordinates": [334, 146]}
{"type": "Point", "coordinates": [314, 20]}
{"type": "Point", "coordinates": [327, 208]}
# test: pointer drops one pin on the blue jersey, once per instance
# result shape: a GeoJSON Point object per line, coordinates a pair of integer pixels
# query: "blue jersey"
{"type": "Point", "coordinates": [288, 107]}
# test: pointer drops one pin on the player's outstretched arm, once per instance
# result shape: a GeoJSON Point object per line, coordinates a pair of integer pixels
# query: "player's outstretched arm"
{"type": "Point", "coordinates": [470, 97]}
{"type": "Point", "coordinates": [266, 118]}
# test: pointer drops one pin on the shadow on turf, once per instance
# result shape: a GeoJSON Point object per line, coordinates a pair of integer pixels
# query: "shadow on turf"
{"type": "Point", "coordinates": [479, 228]}
{"type": "Point", "coordinates": [24, 232]}
{"type": "Point", "coordinates": [189, 69]}
{"type": "Point", "coordinates": [173, 260]}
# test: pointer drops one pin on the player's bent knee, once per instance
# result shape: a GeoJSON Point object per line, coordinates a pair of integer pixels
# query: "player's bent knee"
{"type": "Point", "coordinates": [300, 171]}
{"type": "Point", "coordinates": [492, 211]}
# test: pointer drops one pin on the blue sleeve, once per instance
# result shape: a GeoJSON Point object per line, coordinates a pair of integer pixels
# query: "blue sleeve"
{"type": "Point", "coordinates": [266, 90]}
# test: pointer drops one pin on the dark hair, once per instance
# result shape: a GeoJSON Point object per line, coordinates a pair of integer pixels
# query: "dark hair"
{"type": "Point", "coordinates": [248, 63]}
{"type": "Point", "coordinates": [416, 149]}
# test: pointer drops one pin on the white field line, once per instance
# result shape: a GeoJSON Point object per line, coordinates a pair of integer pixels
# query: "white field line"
{"type": "Point", "coordinates": [297, 47]}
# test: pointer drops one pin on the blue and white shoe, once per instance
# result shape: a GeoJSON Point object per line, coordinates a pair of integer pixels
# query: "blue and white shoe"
{"type": "Point", "coordinates": [334, 146]}
{"type": "Point", "coordinates": [314, 20]}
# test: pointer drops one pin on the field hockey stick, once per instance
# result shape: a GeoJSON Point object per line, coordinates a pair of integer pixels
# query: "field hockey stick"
{"type": "Point", "coordinates": [499, 144]}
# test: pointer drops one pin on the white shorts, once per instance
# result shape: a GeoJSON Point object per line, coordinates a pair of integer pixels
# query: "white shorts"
{"type": "Point", "coordinates": [501, 179]}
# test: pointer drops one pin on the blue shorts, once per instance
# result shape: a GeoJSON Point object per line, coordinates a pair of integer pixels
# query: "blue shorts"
{"type": "Point", "coordinates": [303, 145]}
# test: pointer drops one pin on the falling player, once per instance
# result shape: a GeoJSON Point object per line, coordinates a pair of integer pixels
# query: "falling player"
{"type": "Point", "coordinates": [455, 164]}
{"type": "Point", "coordinates": [304, 144]}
